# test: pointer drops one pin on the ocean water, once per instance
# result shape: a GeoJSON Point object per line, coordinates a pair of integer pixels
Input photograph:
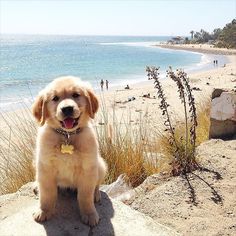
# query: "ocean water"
{"type": "Point", "coordinates": [28, 63]}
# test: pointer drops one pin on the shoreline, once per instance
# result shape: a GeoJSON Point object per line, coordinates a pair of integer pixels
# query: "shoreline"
{"type": "Point", "coordinates": [206, 67]}
{"type": "Point", "coordinates": [200, 48]}
{"type": "Point", "coordinates": [221, 54]}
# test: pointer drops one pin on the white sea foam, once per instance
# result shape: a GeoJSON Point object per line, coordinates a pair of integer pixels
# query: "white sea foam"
{"type": "Point", "coordinates": [11, 103]}
{"type": "Point", "coordinates": [133, 44]}
{"type": "Point", "coordinates": [205, 59]}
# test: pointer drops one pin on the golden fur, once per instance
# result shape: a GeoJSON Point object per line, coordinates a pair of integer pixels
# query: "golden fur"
{"type": "Point", "coordinates": [84, 169]}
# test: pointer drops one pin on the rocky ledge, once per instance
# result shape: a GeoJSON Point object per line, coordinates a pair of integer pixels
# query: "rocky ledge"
{"type": "Point", "coordinates": [116, 217]}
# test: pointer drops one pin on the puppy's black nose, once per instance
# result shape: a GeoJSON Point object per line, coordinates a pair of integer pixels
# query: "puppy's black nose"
{"type": "Point", "coordinates": [67, 111]}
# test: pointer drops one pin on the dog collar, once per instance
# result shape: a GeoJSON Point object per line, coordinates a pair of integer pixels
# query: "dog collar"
{"type": "Point", "coordinates": [67, 134]}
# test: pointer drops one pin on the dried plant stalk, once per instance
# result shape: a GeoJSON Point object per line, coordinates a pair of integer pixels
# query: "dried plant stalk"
{"type": "Point", "coordinates": [182, 96]}
{"type": "Point", "coordinates": [192, 109]}
{"type": "Point", "coordinates": [153, 74]}
{"type": "Point", "coordinates": [184, 153]}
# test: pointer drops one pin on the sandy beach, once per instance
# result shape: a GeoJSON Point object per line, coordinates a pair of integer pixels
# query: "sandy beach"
{"type": "Point", "coordinates": [134, 106]}
{"type": "Point", "coordinates": [202, 48]}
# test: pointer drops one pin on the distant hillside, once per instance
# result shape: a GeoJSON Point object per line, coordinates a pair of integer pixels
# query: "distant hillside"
{"type": "Point", "coordinates": [223, 38]}
{"type": "Point", "coordinates": [227, 37]}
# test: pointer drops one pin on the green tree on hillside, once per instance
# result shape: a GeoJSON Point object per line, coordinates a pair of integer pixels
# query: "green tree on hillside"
{"type": "Point", "coordinates": [227, 37]}
{"type": "Point", "coordinates": [192, 34]}
{"type": "Point", "coordinates": [205, 36]}
{"type": "Point", "coordinates": [216, 33]}
{"type": "Point", "coordinates": [197, 36]}
{"type": "Point", "coordinates": [202, 36]}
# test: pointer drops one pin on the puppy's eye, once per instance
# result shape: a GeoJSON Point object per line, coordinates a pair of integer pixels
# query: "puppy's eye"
{"type": "Point", "coordinates": [55, 98]}
{"type": "Point", "coordinates": [75, 95]}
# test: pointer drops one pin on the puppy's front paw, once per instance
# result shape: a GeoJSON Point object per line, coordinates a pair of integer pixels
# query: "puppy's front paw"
{"type": "Point", "coordinates": [41, 216]}
{"type": "Point", "coordinates": [90, 219]}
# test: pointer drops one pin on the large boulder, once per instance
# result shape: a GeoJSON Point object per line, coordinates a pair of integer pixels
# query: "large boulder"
{"type": "Point", "coordinates": [116, 218]}
{"type": "Point", "coordinates": [223, 114]}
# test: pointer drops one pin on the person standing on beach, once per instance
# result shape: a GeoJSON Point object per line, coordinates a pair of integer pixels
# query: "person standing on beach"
{"type": "Point", "coordinates": [107, 84]}
{"type": "Point", "coordinates": [102, 83]}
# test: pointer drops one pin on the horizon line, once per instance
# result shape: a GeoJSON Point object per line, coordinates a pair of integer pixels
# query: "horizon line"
{"type": "Point", "coordinates": [121, 35]}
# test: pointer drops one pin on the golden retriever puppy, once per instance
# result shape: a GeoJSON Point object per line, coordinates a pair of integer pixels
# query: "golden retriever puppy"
{"type": "Point", "coordinates": [67, 152]}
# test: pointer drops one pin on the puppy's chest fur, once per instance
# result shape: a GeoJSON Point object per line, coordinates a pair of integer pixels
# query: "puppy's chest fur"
{"type": "Point", "coordinates": [68, 167]}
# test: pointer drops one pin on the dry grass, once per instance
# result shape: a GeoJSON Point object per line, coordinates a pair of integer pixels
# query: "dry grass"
{"type": "Point", "coordinates": [17, 141]}
{"type": "Point", "coordinates": [203, 122]}
{"type": "Point", "coordinates": [126, 147]}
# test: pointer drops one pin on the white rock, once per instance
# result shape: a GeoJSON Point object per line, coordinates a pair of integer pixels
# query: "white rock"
{"type": "Point", "coordinates": [224, 107]}
{"type": "Point", "coordinates": [119, 189]}
{"type": "Point", "coordinates": [223, 114]}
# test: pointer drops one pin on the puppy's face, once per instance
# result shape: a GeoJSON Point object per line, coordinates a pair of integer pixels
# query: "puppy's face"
{"type": "Point", "coordinates": [66, 103]}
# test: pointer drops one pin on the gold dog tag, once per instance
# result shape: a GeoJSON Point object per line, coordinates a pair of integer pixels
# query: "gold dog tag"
{"type": "Point", "coordinates": [67, 149]}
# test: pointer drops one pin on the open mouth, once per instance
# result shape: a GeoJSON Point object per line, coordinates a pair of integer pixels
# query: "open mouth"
{"type": "Point", "coordinates": [69, 122]}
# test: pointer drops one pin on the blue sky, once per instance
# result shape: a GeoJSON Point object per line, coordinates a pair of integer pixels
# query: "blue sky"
{"type": "Point", "coordinates": [113, 17]}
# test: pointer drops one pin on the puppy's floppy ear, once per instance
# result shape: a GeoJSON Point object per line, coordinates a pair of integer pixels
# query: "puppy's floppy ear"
{"type": "Point", "coordinates": [92, 106]}
{"type": "Point", "coordinates": [39, 109]}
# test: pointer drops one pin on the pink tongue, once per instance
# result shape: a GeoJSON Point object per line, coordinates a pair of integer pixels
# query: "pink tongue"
{"type": "Point", "coordinates": [68, 123]}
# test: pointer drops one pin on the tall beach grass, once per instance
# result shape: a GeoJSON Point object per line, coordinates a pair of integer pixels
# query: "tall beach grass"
{"type": "Point", "coordinates": [17, 141]}
{"type": "Point", "coordinates": [127, 147]}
